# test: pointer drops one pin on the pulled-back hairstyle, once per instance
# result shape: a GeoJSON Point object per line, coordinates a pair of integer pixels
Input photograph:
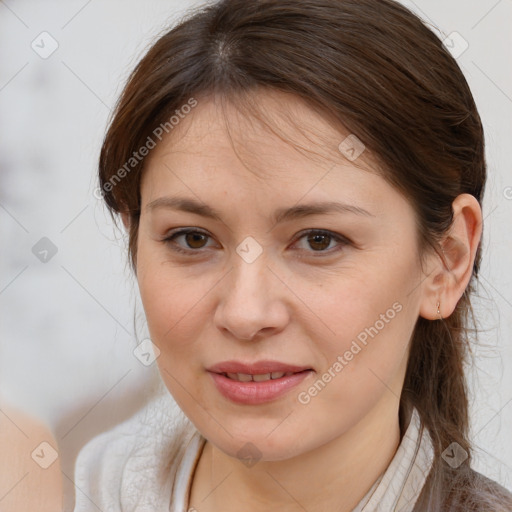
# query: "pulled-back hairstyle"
{"type": "Point", "coordinates": [376, 68]}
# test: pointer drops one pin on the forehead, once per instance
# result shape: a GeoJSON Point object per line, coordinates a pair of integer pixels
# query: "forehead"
{"type": "Point", "coordinates": [268, 136]}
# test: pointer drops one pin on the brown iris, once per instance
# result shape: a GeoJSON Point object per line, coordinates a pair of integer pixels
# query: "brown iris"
{"type": "Point", "coordinates": [318, 241]}
{"type": "Point", "coordinates": [194, 238]}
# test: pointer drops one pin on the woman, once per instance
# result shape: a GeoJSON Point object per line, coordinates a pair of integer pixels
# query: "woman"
{"type": "Point", "coordinates": [301, 182]}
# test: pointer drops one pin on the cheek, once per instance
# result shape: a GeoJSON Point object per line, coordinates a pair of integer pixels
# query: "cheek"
{"type": "Point", "coordinates": [173, 305]}
{"type": "Point", "coordinates": [367, 323]}
{"type": "Point", "coordinates": [169, 304]}
{"type": "Point", "coordinates": [175, 301]}
{"type": "Point", "coordinates": [363, 363]}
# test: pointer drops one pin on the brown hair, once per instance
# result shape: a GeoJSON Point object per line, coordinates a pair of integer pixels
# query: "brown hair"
{"type": "Point", "coordinates": [374, 66]}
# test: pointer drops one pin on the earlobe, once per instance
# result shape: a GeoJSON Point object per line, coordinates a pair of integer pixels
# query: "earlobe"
{"type": "Point", "coordinates": [453, 267]}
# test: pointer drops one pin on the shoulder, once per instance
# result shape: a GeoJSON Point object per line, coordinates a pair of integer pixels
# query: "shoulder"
{"type": "Point", "coordinates": [463, 490]}
{"type": "Point", "coordinates": [483, 493]}
{"type": "Point", "coordinates": [30, 471]}
{"type": "Point", "coordinates": [131, 463]}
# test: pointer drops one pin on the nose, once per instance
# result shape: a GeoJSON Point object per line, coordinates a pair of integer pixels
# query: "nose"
{"type": "Point", "coordinates": [252, 301]}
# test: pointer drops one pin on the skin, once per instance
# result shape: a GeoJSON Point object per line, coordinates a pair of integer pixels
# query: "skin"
{"type": "Point", "coordinates": [292, 304]}
{"type": "Point", "coordinates": [25, 485]}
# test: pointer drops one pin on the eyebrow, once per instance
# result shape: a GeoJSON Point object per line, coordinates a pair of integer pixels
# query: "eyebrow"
{"type": "Point", "coordinates": [190, 205]}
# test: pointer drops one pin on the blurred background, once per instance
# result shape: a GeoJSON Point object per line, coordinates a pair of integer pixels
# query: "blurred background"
{"type": "Point", "coordinates": [67, 297]}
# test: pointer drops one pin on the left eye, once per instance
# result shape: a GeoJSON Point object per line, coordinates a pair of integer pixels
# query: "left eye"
{"type": "Point", "coordinates": [318, 240]}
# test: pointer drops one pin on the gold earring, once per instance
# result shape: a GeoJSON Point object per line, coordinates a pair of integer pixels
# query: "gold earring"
{"type": "Point", "coordinates": [438, 311]}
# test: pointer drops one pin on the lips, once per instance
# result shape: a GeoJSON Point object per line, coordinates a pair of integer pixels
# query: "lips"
{"type": "Point", "coordinates": [256, 383]}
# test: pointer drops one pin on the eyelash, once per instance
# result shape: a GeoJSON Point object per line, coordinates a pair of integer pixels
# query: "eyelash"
{"type": "Point", "coordinates": [342, 241]}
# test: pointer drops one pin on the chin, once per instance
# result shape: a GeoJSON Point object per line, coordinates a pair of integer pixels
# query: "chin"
{"type": "Point", "coordinates": [254, 443]}
{"type": "Point", "coordinates": [250, 450]}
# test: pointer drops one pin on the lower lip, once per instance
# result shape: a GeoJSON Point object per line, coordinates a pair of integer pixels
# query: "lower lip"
{"type": "Point", "coordinates": [253, 393]}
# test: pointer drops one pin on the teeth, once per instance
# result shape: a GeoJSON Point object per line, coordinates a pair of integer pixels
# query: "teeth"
{"type": "Point", "coordinates": [245, 377]}
{"type": "Point", "coordinates": [242, 377]}
{"type": "Point", "coordinates": [259, 378]}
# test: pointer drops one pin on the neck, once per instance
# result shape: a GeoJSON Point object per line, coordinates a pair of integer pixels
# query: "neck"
{"type": "Point", "coordinates": [344, 469]}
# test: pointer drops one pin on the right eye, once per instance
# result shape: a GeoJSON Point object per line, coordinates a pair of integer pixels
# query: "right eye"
{"type": "Point", "coordinates": [193, 238]}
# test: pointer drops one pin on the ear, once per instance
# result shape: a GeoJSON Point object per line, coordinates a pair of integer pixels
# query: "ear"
{"type": "Point", "coordinates": [126, 221]}
{"type": "Point", "coordinates": [449, 276]}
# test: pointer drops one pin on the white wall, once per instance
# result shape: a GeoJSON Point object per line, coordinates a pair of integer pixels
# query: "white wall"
{"type": "Point", "coordinates": [66, 331]}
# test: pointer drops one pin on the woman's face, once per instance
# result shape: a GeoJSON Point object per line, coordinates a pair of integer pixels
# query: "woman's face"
{"type": "Point", "coordinates": [318, 306]}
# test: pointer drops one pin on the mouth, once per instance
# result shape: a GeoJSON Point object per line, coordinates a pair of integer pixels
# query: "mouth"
{"type": "Point", "coordinates": [260, 377]}
{"type": "Point", "coordinates": [256, 383]}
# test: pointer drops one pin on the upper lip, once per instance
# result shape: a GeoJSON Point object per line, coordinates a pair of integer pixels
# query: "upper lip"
{"type": "Point", "coordinates": [256, 368]}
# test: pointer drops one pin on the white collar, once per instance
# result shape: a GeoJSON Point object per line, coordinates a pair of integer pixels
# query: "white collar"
{"type": "Point", "coordinates": [397, 489]}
